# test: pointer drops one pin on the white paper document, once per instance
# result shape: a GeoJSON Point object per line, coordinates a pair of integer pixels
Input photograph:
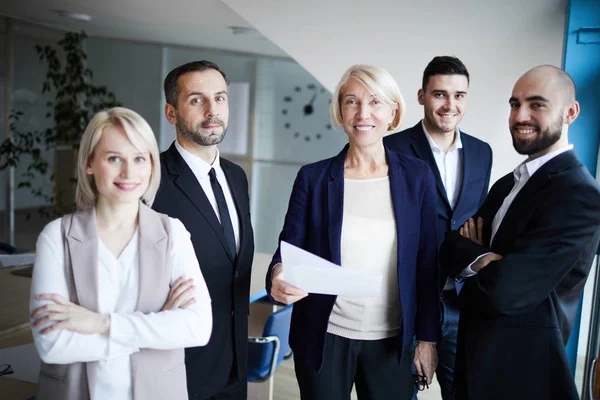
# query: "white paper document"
{"type": "Point", "coordinates": [314, 274]}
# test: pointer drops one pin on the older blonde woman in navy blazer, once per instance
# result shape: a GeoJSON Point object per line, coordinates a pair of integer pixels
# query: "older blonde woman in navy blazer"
{"type": "Point", "coordinates": [337, 211]}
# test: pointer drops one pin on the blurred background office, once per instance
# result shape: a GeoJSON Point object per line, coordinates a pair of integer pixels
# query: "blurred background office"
{"type": "Point", "coordinates": [283, 59]}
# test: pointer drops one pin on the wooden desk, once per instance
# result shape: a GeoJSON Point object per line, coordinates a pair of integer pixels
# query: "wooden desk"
{"type": "Point", "coordinates": [14, 309]}
{"type": "Point", "coordinates": [14, 328]}
{"type": "Point", "coordinates": [15, 389]}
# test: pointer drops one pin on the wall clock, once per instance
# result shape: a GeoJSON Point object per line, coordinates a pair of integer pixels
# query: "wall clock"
{"type": "Point", "coordinates": [306, 112]}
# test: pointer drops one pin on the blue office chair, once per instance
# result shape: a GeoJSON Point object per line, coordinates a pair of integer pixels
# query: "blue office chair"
{"type": "Point", "coordinates": [7, 248]}
{"type": "Point", "coordinates": [267, 352]}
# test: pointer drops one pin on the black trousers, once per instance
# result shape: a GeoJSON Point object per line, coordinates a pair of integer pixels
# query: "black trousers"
{"type": "Point", "coordinates": [234, 391]}
{"type": "Point", "coordinates": [372, 365]}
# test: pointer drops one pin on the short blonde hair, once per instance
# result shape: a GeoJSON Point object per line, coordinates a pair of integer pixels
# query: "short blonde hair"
{"type": "Point", "coordinates": [378, 81]}
{"type": "Point", "coordinates": [139, 134]}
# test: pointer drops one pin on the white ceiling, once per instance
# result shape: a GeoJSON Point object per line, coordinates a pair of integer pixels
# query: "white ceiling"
{"type": "Point", "coordinates": [196, 23]}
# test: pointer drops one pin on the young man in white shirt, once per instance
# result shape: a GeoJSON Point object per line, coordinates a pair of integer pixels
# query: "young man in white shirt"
{"type": "Point", "coordinates": [461, 165]}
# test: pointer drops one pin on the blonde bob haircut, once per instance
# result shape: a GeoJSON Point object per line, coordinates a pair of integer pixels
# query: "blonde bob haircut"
{"type": "Point", "coordinates": [139, 134]}
{"type": "Point", "coordinates": [377, 81]}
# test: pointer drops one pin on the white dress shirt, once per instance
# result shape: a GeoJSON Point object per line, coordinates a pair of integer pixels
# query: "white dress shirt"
{"type": "Point", "coordinates": [521, 174]}
{"type": "Point", "coordinates": [201, 168]}
{"type": "Point", "coordinates": [449, 165]}
{"type": "Point", "coordinates": [118, 289]}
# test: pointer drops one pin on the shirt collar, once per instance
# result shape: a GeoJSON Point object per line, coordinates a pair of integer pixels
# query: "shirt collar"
{"type": "Point", "coordinates": [200, 167]}
{"type": "Point", "coordinates": [532, 166]}
{"type": "Point", "coordinates": [434, 147]}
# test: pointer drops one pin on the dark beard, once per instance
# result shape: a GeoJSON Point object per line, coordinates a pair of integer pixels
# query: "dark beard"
{"type": "Point", "coordinates": [195, 136]}
{"type": "Point", "coordinates": [543, 140]}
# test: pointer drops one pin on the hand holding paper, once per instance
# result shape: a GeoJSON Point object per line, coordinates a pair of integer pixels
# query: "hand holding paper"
{"type": "Point", "coordinates": [314, 274]}
{"type": "Point", "coordinates": [282, 291]}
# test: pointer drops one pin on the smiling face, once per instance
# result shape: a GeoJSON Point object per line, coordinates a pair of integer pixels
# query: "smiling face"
{"type": "Point", "coordinates": [365, 117]}
{"type": "Point", "coordinates": [202, 111]}
{"type": "Point", "coordinates": [121, 172]}
{"type": "Point", "coordinates": [540, 111]}
{"type": "Point", "coordinates": [444, 101]}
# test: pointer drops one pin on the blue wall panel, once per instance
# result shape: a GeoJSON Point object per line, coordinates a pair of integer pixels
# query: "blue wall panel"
{"type": "Point", "coordinates": [582, 62]}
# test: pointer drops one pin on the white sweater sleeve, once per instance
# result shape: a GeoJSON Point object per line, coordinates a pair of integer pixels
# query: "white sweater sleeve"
{"type": "Point", "coordinates": [171, 329]}
{"type": "Point", "coordinates": [63, 347]}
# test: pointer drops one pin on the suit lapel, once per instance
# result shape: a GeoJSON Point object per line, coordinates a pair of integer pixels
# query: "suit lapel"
{"type": "Point", "coordinates": [186, 181]}
{"type": "Point", "coordinates": [467, 162]}
{"type": "Point", "coordinates": [397, 189]}
{"type": "Point", "coordinates": [501, 189]}
{"type": "Point", "coordinates": [82, 238]}
{"type": "Point", "coordinates": [535, 183]}
{"type": "Point", "coordinates": [531, 187]}
{"type": "Point", "coordinates": [422, 150]}
{"type": "Point", "coordinates": [153, 254]}
{"type": "Point", "coordinates": [335, 205]}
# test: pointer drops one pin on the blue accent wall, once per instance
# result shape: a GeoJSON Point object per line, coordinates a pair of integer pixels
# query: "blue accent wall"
{"type": "Point", "coordinates": [582, 62]}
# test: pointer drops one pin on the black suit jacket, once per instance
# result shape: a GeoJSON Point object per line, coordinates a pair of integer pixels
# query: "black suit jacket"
{"type": "Point", "coordinates": [517, 313]}
{"type": "Point", "coordinates": [181, 196]}
{"type": "Point", "coordinates": [476, 169]}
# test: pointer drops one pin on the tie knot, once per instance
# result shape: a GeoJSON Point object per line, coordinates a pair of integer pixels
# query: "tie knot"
{"type": "Point", "coordinates": [212, 174]}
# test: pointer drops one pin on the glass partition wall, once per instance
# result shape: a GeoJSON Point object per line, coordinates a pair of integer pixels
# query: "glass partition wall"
{"type": "Point", "coordinates": [279, 114]}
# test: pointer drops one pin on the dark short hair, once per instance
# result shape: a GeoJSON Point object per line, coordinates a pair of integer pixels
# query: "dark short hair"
{"type": "Point", "coordinates": [171, 81]}
{"type": "Point", "coordinates": [444, 65]}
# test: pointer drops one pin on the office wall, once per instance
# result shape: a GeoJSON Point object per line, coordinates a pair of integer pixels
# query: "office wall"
{"type": "Point", "coordinates": [497, 40]}
{"type": "Point", "coordinates": [285, 137]}
{"type": "Point", "coordinates": [582, 62]}
{"type": "Point", "coordinates": [129, 69]}
{"type": "Point", "coordinates": [28, 75]}
{"type": "Point", "coordinates": [280, 135]}
{"type": "Point", "coordinates": [132, 71]}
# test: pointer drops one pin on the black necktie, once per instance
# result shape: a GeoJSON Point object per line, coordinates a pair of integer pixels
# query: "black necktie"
{"type": "Point", "coordinates": [223, 213]}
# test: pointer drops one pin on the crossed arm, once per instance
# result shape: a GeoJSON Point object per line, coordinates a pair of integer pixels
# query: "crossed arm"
{"type": "Point", "coordinates": [65, 332]}
{"type": "Point", "coordinates": [542, 255]}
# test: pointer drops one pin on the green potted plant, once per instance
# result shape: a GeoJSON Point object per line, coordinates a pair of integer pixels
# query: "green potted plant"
{"type": "Point", "coordinates": [76, 99]}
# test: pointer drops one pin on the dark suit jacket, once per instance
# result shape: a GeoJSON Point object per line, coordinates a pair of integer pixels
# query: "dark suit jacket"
{"type": "Point", "coordinates": [517, 313]}
{"type": "Point", "coordinates": [181, 196]}
{"type": "Point", "coordinates": [314, 223]}
{"type": "Point", "coordinates": [477, 166]}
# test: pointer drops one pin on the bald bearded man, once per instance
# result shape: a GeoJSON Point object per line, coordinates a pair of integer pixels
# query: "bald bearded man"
{"type": "Point", "coordinates": [525, 255]}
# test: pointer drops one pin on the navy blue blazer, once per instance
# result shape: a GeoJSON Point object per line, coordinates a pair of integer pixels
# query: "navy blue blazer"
{"type": "Point", "coordinates": [314, 222]}
{"type": "Point", "coordinates": [477, 166]}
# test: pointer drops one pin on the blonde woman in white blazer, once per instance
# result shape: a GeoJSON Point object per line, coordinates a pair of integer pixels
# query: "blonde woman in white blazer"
{"type": "Point", "coordinates": [117, 291]}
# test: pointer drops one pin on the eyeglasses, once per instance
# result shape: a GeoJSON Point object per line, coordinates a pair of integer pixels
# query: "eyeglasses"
{"type": "Point", "coordinates": [420, 382]}
{"type": "Point", "coordinates": [5, 369]}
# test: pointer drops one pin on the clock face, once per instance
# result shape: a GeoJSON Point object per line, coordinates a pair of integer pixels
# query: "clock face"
{"type": "Point", "coordinates": [306, 112]}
